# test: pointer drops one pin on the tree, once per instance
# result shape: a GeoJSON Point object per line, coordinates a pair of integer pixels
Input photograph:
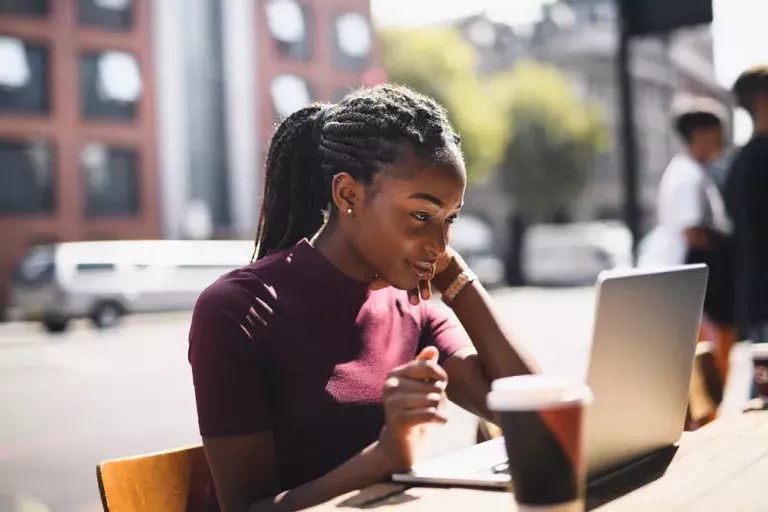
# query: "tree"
{"type": "Point", "coordinates": [552, 142]}
{"type": "Point", "coordinates": [440, 63]}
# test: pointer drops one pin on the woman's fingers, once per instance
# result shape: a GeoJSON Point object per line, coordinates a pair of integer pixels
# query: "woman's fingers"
{"type": "Point", "coordinates": [413, 296]}
{"type": "Point", "coordinates": [422, 370]}
{"type": "Point", "coordinates": [423, 291]}
{"type": "Point", "coordinates": [405, 385]}
{"type": "Point", "coordinates": [413, 417]}
{"type": "Point", "coordinates": [411, 401]}
{"type": "Point", "coordinates": [425, 288]}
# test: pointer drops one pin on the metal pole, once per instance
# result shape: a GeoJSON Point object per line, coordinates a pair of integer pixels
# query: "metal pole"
{"type": "Point", "coordinates": [628, 140]}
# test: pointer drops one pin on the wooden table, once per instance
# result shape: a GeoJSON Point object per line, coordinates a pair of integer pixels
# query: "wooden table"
{"type": "Point", "coordinates": [723, 466]}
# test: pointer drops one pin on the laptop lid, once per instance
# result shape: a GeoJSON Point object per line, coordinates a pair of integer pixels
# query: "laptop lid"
{"type": "Point", "coordinates": [644, 340]}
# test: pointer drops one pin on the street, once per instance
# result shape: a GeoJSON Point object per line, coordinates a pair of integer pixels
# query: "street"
{"type": "Point", "coordinates": [70, 401]}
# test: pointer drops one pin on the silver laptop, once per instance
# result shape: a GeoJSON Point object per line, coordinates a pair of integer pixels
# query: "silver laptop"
{"type": "Point", "coordinates": [644, 341]}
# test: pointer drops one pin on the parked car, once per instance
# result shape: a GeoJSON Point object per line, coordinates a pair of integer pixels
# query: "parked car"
{"type": "Point", "coordinates": [104, 280]}
{"type": "Point", "coordinates": [574, 254]}
{"type": "Point", "coordinates": [473, 239]}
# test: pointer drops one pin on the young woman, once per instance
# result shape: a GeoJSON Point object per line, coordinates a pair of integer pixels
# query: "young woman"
{"type": "Point", "coordinates": [316, 366]}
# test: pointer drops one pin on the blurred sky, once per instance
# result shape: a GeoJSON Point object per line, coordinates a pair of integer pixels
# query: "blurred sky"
{"type": "Point", "coordinates": [740, 33]}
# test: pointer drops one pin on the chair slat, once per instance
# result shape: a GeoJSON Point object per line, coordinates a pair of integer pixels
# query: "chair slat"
{"type": "Point", "coordinates": [169, 481]}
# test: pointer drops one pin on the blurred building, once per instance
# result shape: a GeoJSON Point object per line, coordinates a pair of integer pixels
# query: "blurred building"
{"type": "Point", "coordinates": [227, 71]}
{"type": "Point", "coordinates": [77, 124]}
{"type": "Point", "coordinates": [497, 44]}
{"type": "Point", "coordinates": [580, 38]}
{"type": "Point", "coordinates": [126, 119]}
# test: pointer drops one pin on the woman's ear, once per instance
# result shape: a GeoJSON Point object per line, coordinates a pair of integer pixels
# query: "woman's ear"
{"type": "Point", "coordinates": [347, 192]}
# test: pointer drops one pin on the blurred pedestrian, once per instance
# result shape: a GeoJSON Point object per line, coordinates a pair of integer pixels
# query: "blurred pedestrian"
{"type": "Point", "coordinates": [746, 192]}
{"type": "Point", "coordinates": [693, 220]}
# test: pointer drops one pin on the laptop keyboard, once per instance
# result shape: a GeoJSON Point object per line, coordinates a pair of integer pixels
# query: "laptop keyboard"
{"type": "Point", "coordinates": [498, 469]}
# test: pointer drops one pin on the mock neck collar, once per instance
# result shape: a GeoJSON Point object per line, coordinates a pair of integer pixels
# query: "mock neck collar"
{"type": "Point", "coordinates": [323, 276]}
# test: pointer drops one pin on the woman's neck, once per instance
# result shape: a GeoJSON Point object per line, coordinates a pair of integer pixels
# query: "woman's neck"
{"type": "Point", "coordinates": [336, 249]}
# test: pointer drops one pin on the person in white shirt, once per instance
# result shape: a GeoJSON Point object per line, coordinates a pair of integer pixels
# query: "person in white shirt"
{"type": "Point", "coordinates": [692, 219]}
{"type": "Point", "coordinates": [689, 202]}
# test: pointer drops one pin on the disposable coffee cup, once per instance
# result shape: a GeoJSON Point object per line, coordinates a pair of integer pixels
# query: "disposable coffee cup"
{"type": "Point", "coordinates": [542, 421]}
{"type": "Point", "coordinates": [760, 362]}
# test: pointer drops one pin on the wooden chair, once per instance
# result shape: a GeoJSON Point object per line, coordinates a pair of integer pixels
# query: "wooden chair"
{"type": "Point", "coordinates": [706, 389]}
{"type": "Point", "coordinates": [170, 481]}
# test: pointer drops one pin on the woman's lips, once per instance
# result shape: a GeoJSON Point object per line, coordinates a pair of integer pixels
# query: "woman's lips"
{"type": "Point", "coordinates": [422, 269]}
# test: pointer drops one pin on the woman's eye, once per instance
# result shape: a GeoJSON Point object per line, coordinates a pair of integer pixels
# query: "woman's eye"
{"type": "Point", "coordinates": [452, 219]}
{"type": "Point", "coordinates": [421, 217]}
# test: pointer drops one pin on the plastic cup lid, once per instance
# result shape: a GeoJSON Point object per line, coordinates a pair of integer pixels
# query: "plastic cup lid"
{"type": "Point", "coordinates": [532, 392]}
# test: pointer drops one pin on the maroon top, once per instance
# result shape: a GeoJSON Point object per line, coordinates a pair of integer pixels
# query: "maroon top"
{"type": "Point", "coordinates": [292, 344]}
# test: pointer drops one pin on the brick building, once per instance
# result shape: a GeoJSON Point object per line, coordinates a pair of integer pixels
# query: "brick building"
{"type": "Point", "coordinates": [77, 124]}
{"type": "Point", "coordinates": [127, 119]}
{"type": "Point", "coordinates": [580, 38]}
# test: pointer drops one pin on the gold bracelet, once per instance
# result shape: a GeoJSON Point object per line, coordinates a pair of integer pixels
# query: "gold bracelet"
{"type": "Point", "coordinates": [458, 284]}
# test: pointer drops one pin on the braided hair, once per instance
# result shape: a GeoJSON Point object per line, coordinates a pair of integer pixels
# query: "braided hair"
{"type": "Point", "coordinates": [365, 131]}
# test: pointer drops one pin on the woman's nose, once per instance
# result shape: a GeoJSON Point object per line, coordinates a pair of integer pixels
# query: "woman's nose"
{"type": "Point", "coordinates": [438, 242]}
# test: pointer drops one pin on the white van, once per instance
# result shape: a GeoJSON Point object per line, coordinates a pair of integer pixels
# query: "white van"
{"type": "Point", "coordinates": [574, 254]}
{"type": "Point", "coordinates": [105, 280]}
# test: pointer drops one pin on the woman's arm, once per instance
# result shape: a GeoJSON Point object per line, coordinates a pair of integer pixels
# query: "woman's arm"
{"type": "Point", "coordinates": [243, 468]}
{"type": "Point", "coordinates": [495, 355]}
{"type": "Point", "coordinates": [243, 471]}
{"type": "Point", "coordinates": [366, 468]}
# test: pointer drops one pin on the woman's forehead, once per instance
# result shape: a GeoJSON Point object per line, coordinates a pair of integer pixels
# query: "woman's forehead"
{"type": "Point", "coordinates": [441, 181]}
{"type": "Point", "coordinates": [411, 164]}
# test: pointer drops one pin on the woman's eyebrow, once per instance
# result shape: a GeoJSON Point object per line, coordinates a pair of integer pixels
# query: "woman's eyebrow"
{"type": "Point", "coordinates": [432, 199]}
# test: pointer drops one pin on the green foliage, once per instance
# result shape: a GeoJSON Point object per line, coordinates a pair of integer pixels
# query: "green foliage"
{"type": "Point", "coordinates": [553, 140]}
{"type": "Point", "coordinates": [440, 63]}
{"type": "Point", "coordinates": [528, 123]}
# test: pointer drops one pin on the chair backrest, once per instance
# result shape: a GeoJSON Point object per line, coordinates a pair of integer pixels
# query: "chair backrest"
{"type": "Point", "coordinates": [170, 481]}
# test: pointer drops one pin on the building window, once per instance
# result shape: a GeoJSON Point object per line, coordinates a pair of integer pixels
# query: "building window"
{"type": "Point", "coordinates": [83, 268]}
{"type": "Point", "coordinates": [37, 8]}
{"type": "Point", "coordinates": [110, 14]}
{"type": "Point", "coordinates": [110, 178]}
{"type": "Point", "coordinates": [26, 177]}
{"type": "Point", "coordinates": [110, 85]}
{"type": "Point", "coordinates": [288, 23]}
{"type": "Point", "coordinates": [352, 41]}
{"type": "Point", "coordinates": [289, 93]}
{"type": "Point", "coordinates": [23, 76]}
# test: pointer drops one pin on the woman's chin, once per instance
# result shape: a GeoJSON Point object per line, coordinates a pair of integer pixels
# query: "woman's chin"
{"type": "Point", "coordinates": [405, 283]}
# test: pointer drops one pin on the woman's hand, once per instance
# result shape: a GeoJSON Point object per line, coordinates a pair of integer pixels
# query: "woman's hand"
{"type": "Point", "coordinates": [413, 395]}
{"type": "Point", "coordinates": [448, 266]}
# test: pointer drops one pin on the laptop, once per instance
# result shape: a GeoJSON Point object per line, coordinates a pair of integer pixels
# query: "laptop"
{"type": "Point", "coordinates": [644, 340]}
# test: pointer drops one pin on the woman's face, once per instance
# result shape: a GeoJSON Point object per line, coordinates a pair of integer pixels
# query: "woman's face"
{"type": "Point", "coordinates": [404, 225]}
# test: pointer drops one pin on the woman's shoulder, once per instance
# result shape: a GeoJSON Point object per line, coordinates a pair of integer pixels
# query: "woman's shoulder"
{"type": "Point", "coordinates": [242, 291]}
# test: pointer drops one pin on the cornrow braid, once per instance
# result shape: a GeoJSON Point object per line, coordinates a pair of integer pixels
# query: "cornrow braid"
{"type": "Point", "coordinates": [368, 129]}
